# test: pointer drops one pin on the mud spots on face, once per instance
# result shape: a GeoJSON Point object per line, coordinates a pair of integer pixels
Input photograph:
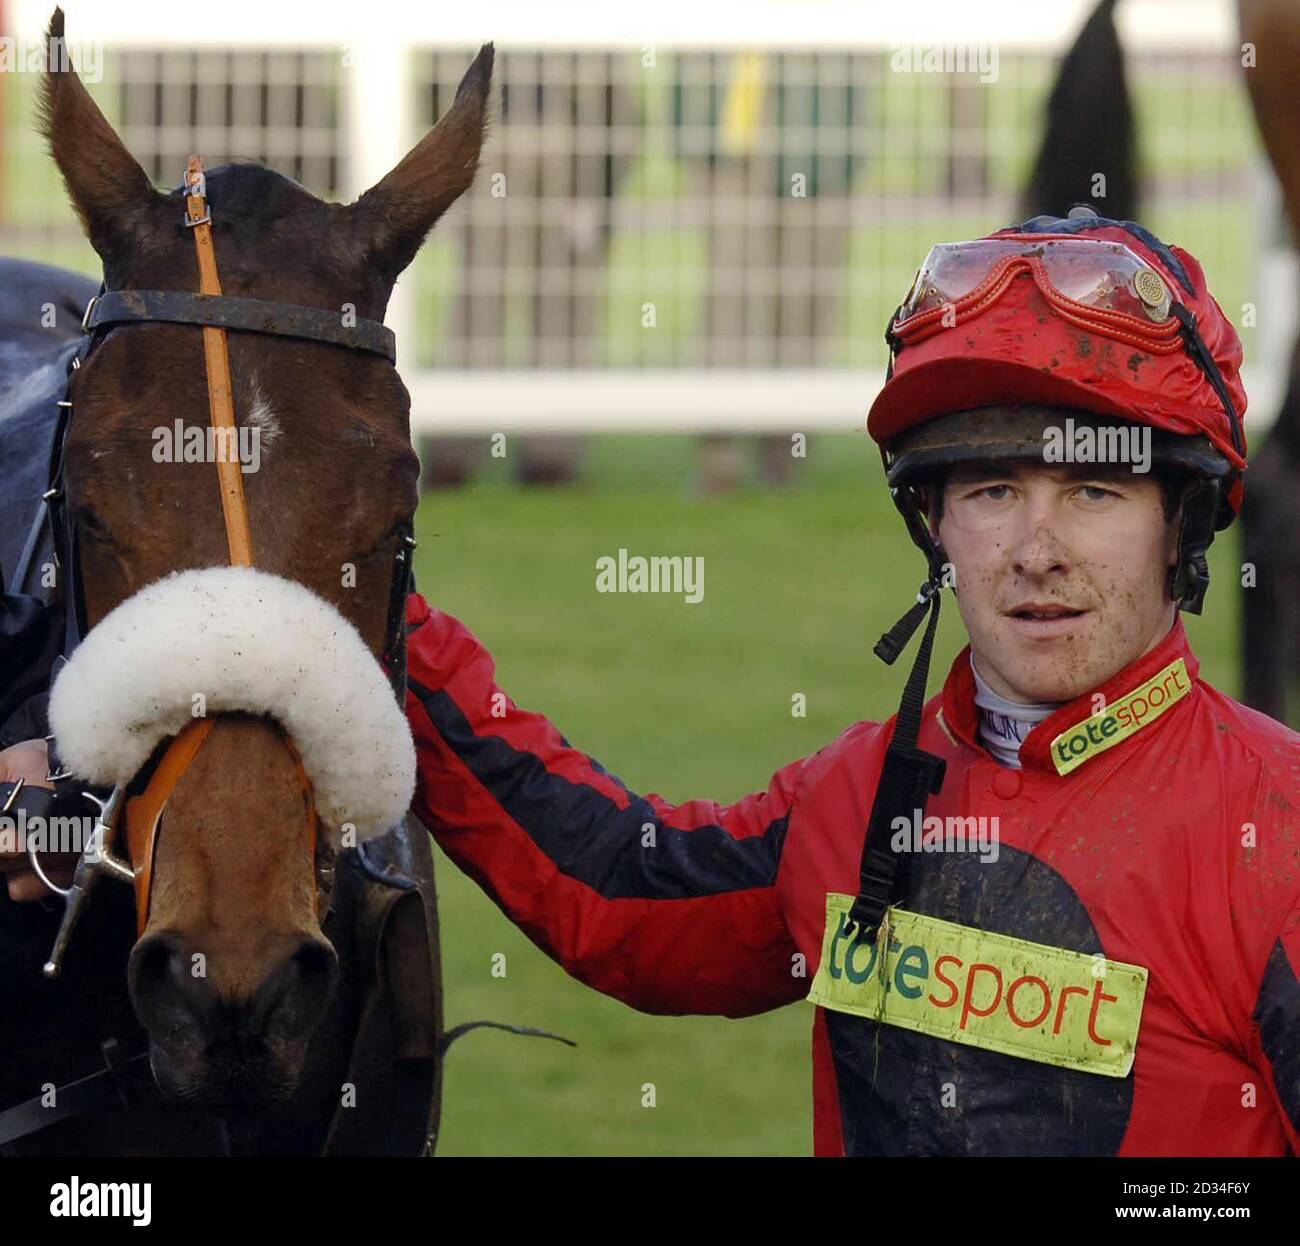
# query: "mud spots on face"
{"type": "Point", "coordinates": [1100, 556]}
{"type": "Point", "coordinates": [1136, 360]}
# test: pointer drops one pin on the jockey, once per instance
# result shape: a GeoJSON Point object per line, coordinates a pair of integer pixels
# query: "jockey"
{"type": "Point", "coordinates": [1056, 908]}
{"type": "Point", "coordinates": [1075, 927]}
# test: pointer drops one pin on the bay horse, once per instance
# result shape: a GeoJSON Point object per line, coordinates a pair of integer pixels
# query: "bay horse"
{"type": "Point", "coordinates": [281, 982]}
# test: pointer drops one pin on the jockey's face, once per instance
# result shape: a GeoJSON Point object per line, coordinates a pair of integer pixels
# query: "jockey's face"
{"type": "Point", "coordinates": [1061, 573]}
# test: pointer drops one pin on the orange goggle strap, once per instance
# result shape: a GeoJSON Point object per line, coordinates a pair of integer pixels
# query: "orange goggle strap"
{"type": "Point", "coordinates": [1161, 339]}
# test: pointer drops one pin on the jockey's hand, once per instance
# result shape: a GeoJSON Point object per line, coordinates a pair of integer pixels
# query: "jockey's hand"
{"type": "Point", "coordinates": [30, 760]}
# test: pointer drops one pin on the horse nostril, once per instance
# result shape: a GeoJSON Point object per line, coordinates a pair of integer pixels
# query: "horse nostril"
{"type": "Point", "coordinates": [165, 988]}
{"type": "Point", "coordinates": [156, 961]}
{"type": "Point", "coordinates": [151, 959]}
{"type": "Point", "coordinates": [316, 961]}
{"type": "Point", "coordinates": [292, 998]}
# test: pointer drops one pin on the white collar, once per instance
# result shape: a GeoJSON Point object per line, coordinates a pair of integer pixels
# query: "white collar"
{"type": "Point", "coordinates": [1005, 724]}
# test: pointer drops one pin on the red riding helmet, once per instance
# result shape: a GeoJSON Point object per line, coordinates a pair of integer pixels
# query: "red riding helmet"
{"type": "Point", "coordinates": [1083, 314]}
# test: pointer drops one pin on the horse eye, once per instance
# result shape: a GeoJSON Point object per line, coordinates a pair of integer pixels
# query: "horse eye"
{"type": "Point", "coordinates": [392, 533]}
{"type": "Point", "coordinates": [89, 524]}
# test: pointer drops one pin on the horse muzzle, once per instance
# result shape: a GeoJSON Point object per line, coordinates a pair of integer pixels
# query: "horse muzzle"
{"type": "Point", "coordinates": [225, 1050]}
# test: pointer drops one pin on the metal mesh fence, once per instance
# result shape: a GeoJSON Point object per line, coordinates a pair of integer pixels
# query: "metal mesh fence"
{"type": "Point", "coordinates": [732, 208]}
{"type": "Point", "coordinates": [689, 209]}
{"type": "Point", "coordinates": [277, 108]}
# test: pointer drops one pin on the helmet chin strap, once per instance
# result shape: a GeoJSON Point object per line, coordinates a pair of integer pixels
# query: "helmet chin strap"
{"type": "Point", "coordinates": [909, 775]}
{"type": "Point", "coordinates": [911, 503]}
{"type": "Point", "coordinates": [1190, 576]}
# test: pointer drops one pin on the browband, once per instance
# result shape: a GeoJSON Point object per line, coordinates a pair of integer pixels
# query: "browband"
{"type": "Point", "coordinates": [225, 311]}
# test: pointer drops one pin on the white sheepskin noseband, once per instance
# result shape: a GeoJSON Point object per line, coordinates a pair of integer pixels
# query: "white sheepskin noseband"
{"type": "Point", "coordinates": [245, 640]}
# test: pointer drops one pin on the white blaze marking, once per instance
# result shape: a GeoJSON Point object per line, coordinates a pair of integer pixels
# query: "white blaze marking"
{"type": "Point", "coordinates": [261, 416]}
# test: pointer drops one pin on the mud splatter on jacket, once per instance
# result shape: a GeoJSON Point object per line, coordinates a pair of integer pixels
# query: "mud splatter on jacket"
{"type": "Point", "coordinates": [1173, 846]}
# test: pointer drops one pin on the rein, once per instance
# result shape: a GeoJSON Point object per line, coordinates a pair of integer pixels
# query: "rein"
{"type": "Point", "coordinates": [216, 313]}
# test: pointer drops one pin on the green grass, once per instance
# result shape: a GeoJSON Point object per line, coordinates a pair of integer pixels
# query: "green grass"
{"type": "Point", "coordinates": [688, 701]}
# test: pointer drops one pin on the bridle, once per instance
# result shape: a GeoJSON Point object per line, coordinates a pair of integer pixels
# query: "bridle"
{"type": "Point", "coordinates": [141, 804]}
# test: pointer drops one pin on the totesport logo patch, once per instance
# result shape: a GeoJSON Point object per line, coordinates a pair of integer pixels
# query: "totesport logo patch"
{"type": "Point", "coordinates": [1042, 1003]}
{"type": "Point", "coordinates": [1117, 722]}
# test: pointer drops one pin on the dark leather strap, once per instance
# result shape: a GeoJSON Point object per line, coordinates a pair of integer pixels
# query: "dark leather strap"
{"type": "Point", "coordinates": [64, 800]}
{"type": "Point", "coordinates": [225, 311]}
{"type": "Point", "coordinates": [394, 655]}
{"type": "Point", "coordinates": [1190, 577]}
{"type": "Point", "coordinates": [65, 535]}
{"type": "Point", "coordinates": [18, 580]}
{"type": "Point", "coordinates": [34, 800]}
{"type": "Point", "coordinates": [116, 1080]}
{"type": "Point", "coordinates": [908, 776]}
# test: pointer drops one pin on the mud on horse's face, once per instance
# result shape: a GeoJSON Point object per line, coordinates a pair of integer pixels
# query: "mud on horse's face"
{"type": "Point", "coordinates": [232, 973]}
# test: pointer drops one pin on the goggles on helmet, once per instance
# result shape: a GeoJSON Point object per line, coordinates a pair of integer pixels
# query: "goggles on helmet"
{"type": "Point", "coordinates": [1101, 286]}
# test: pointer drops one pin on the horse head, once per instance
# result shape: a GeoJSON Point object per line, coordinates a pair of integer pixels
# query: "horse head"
{"type": "Point", "coordinates": [232, 973]}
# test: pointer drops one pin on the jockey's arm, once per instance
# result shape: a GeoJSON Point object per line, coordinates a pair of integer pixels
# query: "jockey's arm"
{"type": "Point", "coordinates": [672, 909]}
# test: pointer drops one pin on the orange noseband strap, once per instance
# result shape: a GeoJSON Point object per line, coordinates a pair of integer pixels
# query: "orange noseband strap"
{"type": "Point", "coordinates": [143, 813]}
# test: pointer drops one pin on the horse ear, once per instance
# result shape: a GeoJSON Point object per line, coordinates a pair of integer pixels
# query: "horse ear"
{"type": "Point", "coordinates": [109, 190]}
{"type": "Point", "coordinates": [391, 220]}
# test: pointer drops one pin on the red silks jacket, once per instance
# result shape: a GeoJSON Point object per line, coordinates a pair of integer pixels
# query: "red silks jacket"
{"type": "Point", "coordinates": [1171, 843]}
